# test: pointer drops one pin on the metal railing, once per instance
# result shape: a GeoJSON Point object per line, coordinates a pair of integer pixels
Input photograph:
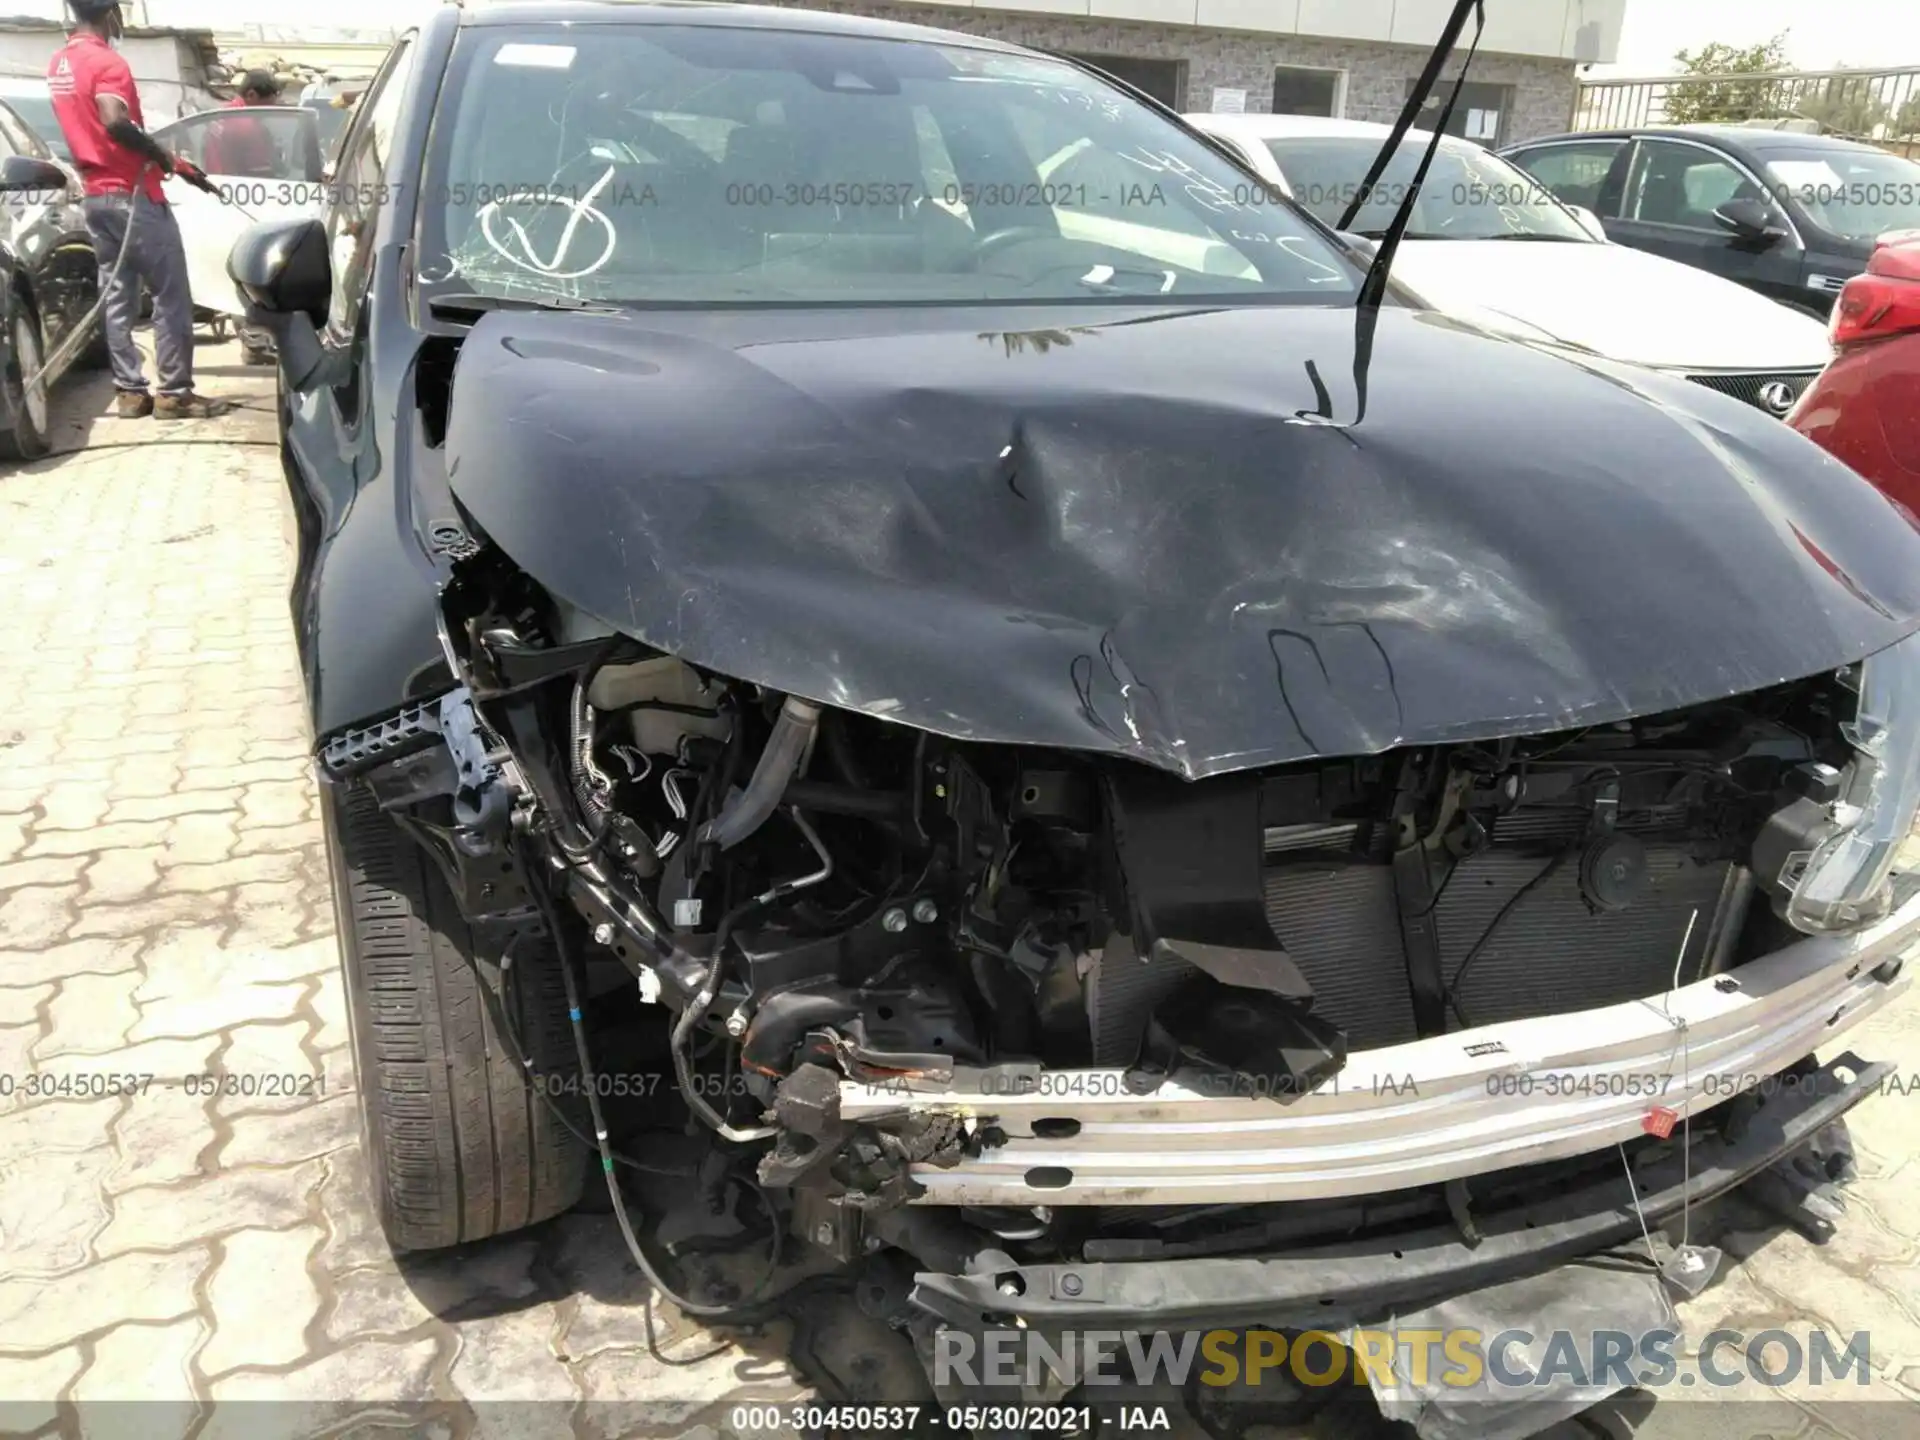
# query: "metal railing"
{"type": "Point", "coordinates": [1881, 106]}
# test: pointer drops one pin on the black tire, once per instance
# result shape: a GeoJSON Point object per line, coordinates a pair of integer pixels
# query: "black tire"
{"type": "Point", "coordinates": [459, 1146]}
{"type": "Point", "coordinates": [27, 440]}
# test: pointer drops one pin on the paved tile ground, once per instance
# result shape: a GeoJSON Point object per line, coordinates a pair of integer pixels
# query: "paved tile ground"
{"type": "Point", "coordinates": [164, 911]}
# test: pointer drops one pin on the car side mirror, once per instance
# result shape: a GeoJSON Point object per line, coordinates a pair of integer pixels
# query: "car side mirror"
{"type": "Point", "coordinates": [1749, 219]}
{"type": "Point", "coordinates": [1589, 222]}
{"type": "Point", "coordinates": [285, 275]}
{"type": "Point", "coordinates": [24, 172]}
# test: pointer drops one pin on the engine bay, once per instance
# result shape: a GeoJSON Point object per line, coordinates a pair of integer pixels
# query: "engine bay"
{"type": "Point", "coordinates": [807, 898]}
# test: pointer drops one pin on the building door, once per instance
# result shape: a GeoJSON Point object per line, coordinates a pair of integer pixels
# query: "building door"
{"type": "Point", "coordinates": [1162, 79]}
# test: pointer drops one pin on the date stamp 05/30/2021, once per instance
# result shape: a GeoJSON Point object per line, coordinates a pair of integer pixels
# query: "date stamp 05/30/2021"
{"type": "Point", "coordinates": [85, 1085]}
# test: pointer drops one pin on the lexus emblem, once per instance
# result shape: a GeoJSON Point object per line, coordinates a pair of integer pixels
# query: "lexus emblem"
{"type": "Point", "coordinates": [1777, 397]}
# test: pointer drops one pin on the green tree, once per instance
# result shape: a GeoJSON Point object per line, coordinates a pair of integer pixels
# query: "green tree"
{"type": "Point", "coordinates": [1719, 98]}
{"type": "Point", "coordinates": [1844, 106]}
{"type": "Point", "coordinates": [1907, 121]}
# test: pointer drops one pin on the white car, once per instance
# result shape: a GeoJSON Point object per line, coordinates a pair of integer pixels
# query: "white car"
{"type": "Point", "coordinates": [266, 161]}
{"type": "Point", "coordinates": [1569, 285]}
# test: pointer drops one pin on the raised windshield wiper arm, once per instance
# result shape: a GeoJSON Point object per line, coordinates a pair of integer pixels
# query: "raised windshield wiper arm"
{"type": "Point", "coordinates": [1374, 287]}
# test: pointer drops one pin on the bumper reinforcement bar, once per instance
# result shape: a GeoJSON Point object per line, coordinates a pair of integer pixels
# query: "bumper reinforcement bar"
{"type": "Point", "coordinates": [1330, 1286]}
{"type": "Point", "coordinates": [1449, 1107]}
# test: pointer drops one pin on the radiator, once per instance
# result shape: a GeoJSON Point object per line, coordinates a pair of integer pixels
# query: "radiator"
{"type": "Point", "coordinates": [1337, 916]}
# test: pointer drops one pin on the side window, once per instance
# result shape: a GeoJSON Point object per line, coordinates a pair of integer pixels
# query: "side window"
{"type": "Point", "coordinates": [6, 144]}
{"type": "Point", "coordinates": [1572, 173]}
{"type": "Point", "coordinates": [1683, 185]}
{"type": "Point", "coordinates": [359, 188]}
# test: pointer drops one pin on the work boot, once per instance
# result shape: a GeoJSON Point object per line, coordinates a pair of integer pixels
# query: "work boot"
{"type": "Point", "coordinates": [133, 404]}
{"type": "Point", "coordinates": [189, 407]}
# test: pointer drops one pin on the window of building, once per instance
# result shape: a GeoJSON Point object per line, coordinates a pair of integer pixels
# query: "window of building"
{"type": "Point", "coordinates": [1164, 80]}
{"type": "Point", "coordinates": [1481, 113]}
{"type": "Point", "coordinates": [1299, 91]}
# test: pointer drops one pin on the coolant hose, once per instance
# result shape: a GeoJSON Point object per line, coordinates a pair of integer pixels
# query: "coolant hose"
{"type": "Point", "coordinates": [748, 811]}
{"type": "Point", "coordinates": [591, 788]}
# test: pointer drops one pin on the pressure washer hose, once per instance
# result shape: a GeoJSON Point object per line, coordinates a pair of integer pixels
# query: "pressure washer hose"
{"type": "Point", "coordinates": [79, 332]}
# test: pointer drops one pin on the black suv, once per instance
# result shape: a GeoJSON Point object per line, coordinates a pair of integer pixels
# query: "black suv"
{"type": "Point", "coordinates": [1090, 756]}
{"type": "Point", "coordinates": [1793, 216]}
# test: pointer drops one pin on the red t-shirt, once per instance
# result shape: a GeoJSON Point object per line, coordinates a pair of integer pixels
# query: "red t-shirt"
{"type": "Point", "coordinates": [240, 146]}
{"type": "Point", "coordinates": [85, 69]}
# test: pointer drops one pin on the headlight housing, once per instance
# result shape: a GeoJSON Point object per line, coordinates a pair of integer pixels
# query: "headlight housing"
{"type": "Point", "coordinates": [1834, 876]}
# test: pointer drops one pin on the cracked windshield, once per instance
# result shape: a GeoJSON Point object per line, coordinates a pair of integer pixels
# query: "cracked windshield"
{"type": "Point", "coordinates": [745, 166]}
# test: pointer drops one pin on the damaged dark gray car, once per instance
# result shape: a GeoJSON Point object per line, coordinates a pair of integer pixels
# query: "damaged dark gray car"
{"type": "Point", "coordinates": [1129, 777]}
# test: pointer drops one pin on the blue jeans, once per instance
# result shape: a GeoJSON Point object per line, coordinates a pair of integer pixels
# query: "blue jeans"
{"type": "Point", "coordinates": [154, 254]}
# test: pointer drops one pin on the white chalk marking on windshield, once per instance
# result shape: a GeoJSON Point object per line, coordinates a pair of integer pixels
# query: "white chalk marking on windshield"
{"type": "Point", "coordinates": [1327, 274]}
{"type": "Point", "coordinates": [582, 211]}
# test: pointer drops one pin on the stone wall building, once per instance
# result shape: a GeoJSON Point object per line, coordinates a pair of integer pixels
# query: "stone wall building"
{"type": "Point", "coordinates": [1351, 58]}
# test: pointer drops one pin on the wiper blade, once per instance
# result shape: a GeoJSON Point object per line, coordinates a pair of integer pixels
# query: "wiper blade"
{"type": "Point", "coordinates": [452, 307]}
{"type": "Point", "coordinates": [1533, 235]}
{"type": "Point", "coordinates": [1374, 287]}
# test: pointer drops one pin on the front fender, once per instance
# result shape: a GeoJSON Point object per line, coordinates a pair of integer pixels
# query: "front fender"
{"type": "Point", "coordinates": [365, 605]}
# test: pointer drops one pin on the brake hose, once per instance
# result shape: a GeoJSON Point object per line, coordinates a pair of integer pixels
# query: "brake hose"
{"type": "Point", "coordinates": [756, 1304]}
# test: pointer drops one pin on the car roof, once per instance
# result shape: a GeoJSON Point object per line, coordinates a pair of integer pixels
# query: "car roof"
{"type": "Point", "coordinates": [715, 13]}
{"type": "Point", "coordinates": [1744, 139]}
{"type": "Point", "coordinates": [24, 85]}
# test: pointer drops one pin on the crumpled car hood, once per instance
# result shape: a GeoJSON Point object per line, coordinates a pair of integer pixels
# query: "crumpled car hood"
{"type": "Point", "coordinates": [1141, 534]}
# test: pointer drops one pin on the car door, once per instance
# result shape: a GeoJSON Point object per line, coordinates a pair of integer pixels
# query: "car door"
{"type": "Point", "coordinates": [265, 159]}
{"type": "Point", "coordinates": [50, 239]}
{"type": "Point", "coordinates": [1671, 189]}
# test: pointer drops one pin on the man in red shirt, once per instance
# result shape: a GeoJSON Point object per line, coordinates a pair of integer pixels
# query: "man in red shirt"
{"type": "Point", "coordinates": [121, 166]}
{"type": "Point", "coordinates": [243, 145]}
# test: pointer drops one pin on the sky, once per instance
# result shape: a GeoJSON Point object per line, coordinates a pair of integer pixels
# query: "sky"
{"type": "Point", "coordinates": [1821, 34]}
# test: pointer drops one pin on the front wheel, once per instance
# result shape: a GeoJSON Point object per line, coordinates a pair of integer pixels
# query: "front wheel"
{"type": "Point", "coordinates": [27, 440]}
{"type": "Point", "coordinates": [459, 1145]}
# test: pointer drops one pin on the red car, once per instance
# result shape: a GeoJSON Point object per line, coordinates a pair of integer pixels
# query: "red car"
{"type": "Point", "coordinates": [1865, 406]}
